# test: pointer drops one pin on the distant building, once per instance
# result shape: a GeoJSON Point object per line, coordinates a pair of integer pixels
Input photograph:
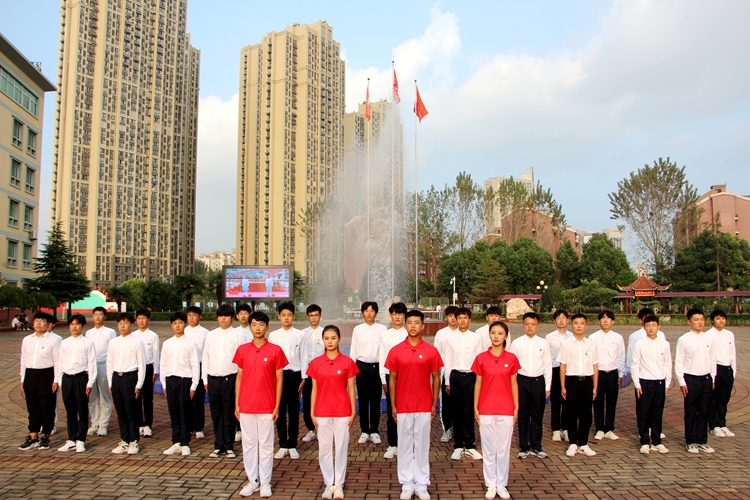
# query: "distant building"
{"type": "Point", "coordinates": [214, 261]}
{"type": "Point", "coordinates": [495, 220]}
{"type": "Point", "coordinates": [537, 226]}
{"type": "Point", "coordinates": [614, 235]}
{"type": "Point", "coordinates": [731, 211]}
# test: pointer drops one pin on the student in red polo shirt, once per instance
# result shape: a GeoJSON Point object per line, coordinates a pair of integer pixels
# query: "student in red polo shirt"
{"type": "Point", "coordinates": [260, 379]}
{"type": "Point", "coordinates": [414, 395]}
{"type": "Point", "coordinates": [496, 408]}
{"type": "Point", "coordinates": [332, 409]}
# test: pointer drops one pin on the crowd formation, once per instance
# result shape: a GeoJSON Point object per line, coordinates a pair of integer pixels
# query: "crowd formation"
{"type": "Point", "coordinates": [254, 381]}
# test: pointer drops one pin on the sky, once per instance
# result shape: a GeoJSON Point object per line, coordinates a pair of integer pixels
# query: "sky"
{"type": "Point", "coordinates": [584, 92]}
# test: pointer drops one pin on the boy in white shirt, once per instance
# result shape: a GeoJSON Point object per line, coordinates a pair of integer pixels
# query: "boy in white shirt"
{"type": "Point", "coordinates": [440, 343]}
{"type": "Point", "coordinates": [491, 315]}
{"type": "Point", "coordinates": [195, 332]}
{"type": "Point", "coordinates": [100, 400]}
{"type": "Point", "coordinates": [315, 347]}
{"type": "Point", "coordinates": [726, 371]}
{"type": "Point", "coordinates": [394, 335]}
{"type": "Point", "coordinates": [611, 349]}
{"type": "Point", "coordinates": [557, 403]}
{"type": "Point", "coordinates": [243, 316]}
{"type": "Point", "coordinates": [150, 342]}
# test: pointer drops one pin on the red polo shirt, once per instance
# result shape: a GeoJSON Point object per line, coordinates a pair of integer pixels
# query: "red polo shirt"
{"type": "Point", "coordinates": [413, 365]}
{"type": "Point", "coordinates": [331, 377]}
{"type": "Point", "coordinates": [259, 365]}
{"type": "Point", "coordinates": [496, 395]}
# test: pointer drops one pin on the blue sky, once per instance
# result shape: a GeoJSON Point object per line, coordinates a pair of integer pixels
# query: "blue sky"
{"type": "Point", "coordinates": [584, 92]}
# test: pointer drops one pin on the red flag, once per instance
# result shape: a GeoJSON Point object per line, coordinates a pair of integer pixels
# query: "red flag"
{"type": "Point", "coordinates": [367, 106]}
{"type": "Point", "coordinates": [419, 108]}
{"type": "Point", "coordinates": [396, 97]}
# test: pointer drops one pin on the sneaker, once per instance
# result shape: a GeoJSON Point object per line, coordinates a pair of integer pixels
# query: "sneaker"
{"type": "Point", "coordinates": [491, 493]}
{"type": "Point", "coordinates": [327, 493]}
{"type": "Point", "coordinates": [716, 431]}
{"type": "Point", "coordinates": [185, 450]}
{"type": "Point", "coordinates": [237, 437]}
{"type": "Point", "coordinates": [54, 431]}
{"type": "Point", "coordinates": [457, 454]}
{"type": "Point", "coordinates": [471, 453]}
{"type": "Point", "coordinates": [199, 435]}
{"type": "Point", "coordinates": [231, 454]}
{"type": "Point", "coordinates": [565, 436]}
{"type": "Point", "coordinates": [645, 449]}
{"type": "Point", "coordinates": [175, 448]}
{"type": "Point", "coordinates": [727, 432]}
{"type": "Point", "coordinates": [703, 447]}
{"type": "Point", "coordinates": [375, 438]}
{"type": "Point", "coordinates": [250, 488]}
{"type": "Point", "coordinates": [140, 431]}
{"type": "Point", "coordinates": [101, 432]}
{"type": "Point", "coordinates": [663, 436]}
{"type": "Point", "coordinates": [556, 436]}
{"type": "Point", "coordinates": [309, 436]}
{"type": "Point", "coordinates": [214, 454]}
{"type": "Point", "coordinates": [611, 435]}
{"type": "Point", "coordinates": [446, 437]}
{"type": "Point", "coordinates": [692, 448]}
{"type": "Point", "coordinates": [503, 493]}
{"type": "Point", "coordinates": [406, 494]}
{"type": "Point", "coordinates": [69, 445]}
{"type": "Point", "coordinates": [599, 435]}
{"type": "Point", "coordinates": [121, 448]}
{"type": "Point", "coordinates": [423, 495]}
{"type": "Point", "coordinates": [522, 454]}
{"type": "Point", "coordinates": [92, 430]}
{"type": "Point", "coordinates": [133, 448]}
{"type": "Point", "coordinates": [338, 493]}
{"type": "Point", "coordinates": [363, 438]}
{"type": "Point", "coordinates": [44, 443]}
{"type": "Point", "coordinates": [391, 452]}
{"type": "Point", "coordinates": [538, 453]}
{"type": "Point", "coordinates": [265, 490]}
{"type": "Point", "coordinates": [572, 450]}
{"type": "Point", "coordinates": [293, 453]}
{"type": "Point", "coordinates": [80, 446]}
{"type": "Point", "coordinates": [281, 453]}
{"type": "Point", "coordinates": [586, 451]}
{"type": "Point", "coordinates": [660, 448]}
{"type": "Point", "coordinates": [147, 432]}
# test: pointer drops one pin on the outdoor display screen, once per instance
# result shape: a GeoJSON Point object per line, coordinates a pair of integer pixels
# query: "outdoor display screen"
{"type": "Point", "coordinates": [258, 282]}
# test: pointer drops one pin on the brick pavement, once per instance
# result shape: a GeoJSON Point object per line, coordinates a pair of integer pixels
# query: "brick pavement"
{"type": "Point", "coordinates": [617, 472]}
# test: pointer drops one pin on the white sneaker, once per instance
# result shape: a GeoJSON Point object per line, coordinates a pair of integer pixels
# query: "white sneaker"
{"type": "Point", "coordinates": [491, 493]}
{"type": "Point", "coordinates": [69, 445]}
{"type": "Point", "coordinates": [281, 453]}
{"type": "Point", "coordinates": [293, 453]}
{"type": "Point", "coordinates": [716, 431]}
{"type": "Point", "coordinates": [92, 430]}
{"type": "Point", "coordinates": [328, 493]}
{"type": "Point", "coordinates": [645, 449]}
{"type": "Point", "coordinates": [599, 435]}
{"type": "Point", "coordinates": [147, 432]}
{"type": "Point", "coordinates": [80, 446]}
{"type": "Point", "coordinates": [265, 490]}
{"type": "Point", "coordinates": [214, 454]}
{"type": "Point", "coordinates": [199, 435]}
{"type": "Point", "coordinates": [660, 448]}
{"type": "Point", "coordinates": [140, 431]}
{"type": "Point", "coordinates": [185, 450]}
{"type": "Point", "coordinates": [363, 438]}
{"type": "Point", "coordinates": [556, 436]}
{"type": "Point", "coordinates": [54, 431]}
{"type": "Point", "coordinates": [423, 495]}
{"type": "Point", "coordinates": [121, 448]}
{"type": "Point", "coordinates": [406, 494]}
{"type": "Point", "coordinates": [565, 436]}
{"type": "Point", "coordinates": [446, 437]}
{"type": "Point", "coordinates": [705, 448]}
{"type": "Point", "coordinates": [375, 438]}
{"type": "Point", "coordinates": [237, 437]}
{"type": "Point", "coordinates": [586, 451]}
{"type": "Point", "coordinates": [133, 448]}
{"type": "Point", "coordinates": [175, 448]}
{"type": "Point", "coordinates": [391, 452]}
{"type": "Point", "coordinates": [572, 450]}
{"type": "Point", "coordinates": [663, 436]}
{"type": "Point", "coordinates": [309, 436]}
{"type": "Point", "coordinates": [611, 435]}
{"type": "Point", "coordinates": [503, 493]}
{"type": "Point", "coordinates": [231, 454]}
{"type": "Point", "coordinates": [249, 489]}
{"type": "Point", "coordinates": [338, 493]}
{"type": "Point", "coordinates": [473, 453]}
{"type": "Point", "coordinates": [102, 431]}
{"type": "Point", "coordinates": [727, 432]}
{"type": "Point", "coordinates": [692, 448]}
{"type": "Point", "coordinates": [457, 454]}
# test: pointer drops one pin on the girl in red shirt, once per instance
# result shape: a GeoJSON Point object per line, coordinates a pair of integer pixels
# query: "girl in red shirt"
{"type": "Point", "coordinates": [332, 409]}
{"type": "Point", "coordinates": [496, 408]}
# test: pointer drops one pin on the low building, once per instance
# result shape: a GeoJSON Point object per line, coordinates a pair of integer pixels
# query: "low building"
{"type": "Point", "coordinates": [731, 211]}
{"type": "Point", "coordinates": [214, 261]}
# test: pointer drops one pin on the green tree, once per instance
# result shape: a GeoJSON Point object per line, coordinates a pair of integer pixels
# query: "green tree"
{"type": "Point", "coordinates": [436, 237]}
{"type": "Point", "coordinates": [133, 291]}
{"type": "Point", "coordinates": [13, 297]}
{"type": "Point", "coordinates": [712, 262]}
{"type": "Point", "coordinates": [299, 287]}
{"type": "Point", "coordinates": [186, 286]}
{"type": "Point", "coordinates": [464, 265]}
{"type": "Point", "coordinates": [567, 266]}
{"type": "Point", "coordinates": [118, 294]}
{"type": "Point", "coordinates": [513, 203]}
{"type": "Point", "coordinates": [526, 265]}
{"type": "Point", "coordinates": [553, 298]}
{"type": "Point", "coordinates": [57, 270]}
{"type": "Point", "coordinates": [545, 203]}
{"type": "Point", "coordinates": [37, 300]}
{"type": "Point", "coordinates": [590, 293]}
{"type": "Point", "coordinates": [215, 283]}
{"type": "Point", "coordinates": [603, 262]}
{"type": "Point", "coordinates": [491, 281]}
{"type": "Point", "coordinates": [468, 210]}
{"type": "Point", "coordinates": [160, 296]}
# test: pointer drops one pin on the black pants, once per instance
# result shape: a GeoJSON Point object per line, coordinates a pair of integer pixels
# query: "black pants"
{"type": "Point", "coordinates": [221, 404]}
{"type": "Point", "coordinates": [531, 400]}
{"type": "Point", "coordinates": [649, 408]}
{"type": "Point", "coordinates": [580, 393]}
{"type": "Point", "coordinates": [180, 408]}
{"type": "Point", "coordinates": [76, 404]}
{"type": "Point", "coordinates": [446, 407]}
{"type": "Point", "coordinates": [557, 403]}
{"type": "Point", "coordinates": [391, 426]}
{"type": "Point", "coordinates": [697, 404]}
{"type": "Point", "coordinates": [462, 396]}
{"type": "Point", "coordinates": [605, 404]}
{"type": "Point", "coordinates": [126, 405]}
{"type": "Point", "coordinates": [199, 407]}
{"type": "Point", "coordinates": [307, 403]}
{"type": "Point", "coordinates": [40, 400]}
{"type": "Point", "coordinates": [369, 392]}
{"type": "Point", "coordinates": [724, 382]}
{"type": "Point", "coordinates": [289, 404]}
{"type": "Point", "coordinates": [146, 399]}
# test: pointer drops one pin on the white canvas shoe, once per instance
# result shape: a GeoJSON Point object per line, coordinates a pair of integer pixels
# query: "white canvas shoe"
{"type": "Point", "coordinates": [375, 438]}
{"type": "Point", "coordinates": [80, 446]}
{"type": "Point", "coordinates": [185, 450]}
{"type": "Point", "coordinates": [250, 488]}
{"type": "Point", "coordinates": [599, 435]}
{"type": "Point", "coordinates": [572, 450]}
{"type": "Point", "coordinates": [586, 451]}
{"type": "Point", "coordinates": [327, 493]}
{"type": "Point", "coordinates": [391, 452]}
{"type": "Point", "coordinates": [309, 436]}
{"type": "Point", "coordinates": [491, 493]}
{"type": "Point", "coordinates": [175, 448]}
{"type": "Point", "coordinates": [727, 432]}
{"type": "Point", "coordinates": [363, 438]}
{"type": "Point", "coordinates": [446, 437]}
{"type": "Point", "coordinates": [69, 445]}
{"type": "Point", "coordinates": [556, 436]}
{"type": "Point", "coordinates": [503, 493]}
{"type": "Point", "coordinates": [645, 449]}
{"type": "Point", "coordinates": [199, 435]}
{"type": "Point", "coordinates": [611, 435]}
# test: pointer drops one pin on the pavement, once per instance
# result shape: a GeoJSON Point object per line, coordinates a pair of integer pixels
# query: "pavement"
{"type": "Point", "coordinates": [617, 472]}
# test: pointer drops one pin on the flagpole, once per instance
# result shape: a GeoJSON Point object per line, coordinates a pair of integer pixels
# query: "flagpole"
{"type": "Point", "coordinates": [369, 140]}
{"type": "Point", "coordinates": [393, 193]}
{"type": "Point", "coordinates": [416, 208]}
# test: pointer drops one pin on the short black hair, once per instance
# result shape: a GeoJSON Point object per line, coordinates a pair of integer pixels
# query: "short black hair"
{"type": "Point", "coordinates": [450, 310]}
{"type": "Point", "coordinates": [504, 327]}
{"type": "Point", "coordinates": [286, 306]}
{"type": "Point", "coordinates": [178, 315]}
{"type": "Point", "coordinates": [126, 316]}
{"type": "Point", "coordinates": [415, 313]}
{"type": "Point", "coordinates": [493, 310]}
{"type": "Point", "coordinates": [97, 309]}
{"type": "Point", "coordinates": [225, 310]}
{"type": "Point", "coordinates": [313, 308]}
{"type": "Point", "coordinates": [463, 310]}
{"type": "Point", "coordinates": [195, 309]}
{"type": "Point", "coordinates": [143, 312]}
{"type": "Point", "coordinates": [369, 303]}
{"type": "Point", "coordinates": [718, 313]}
{"type": "Point", "coordinates": [53, 319]}
{"type": "Point", "coordinates": [259, 316]}
{"type": "Point", "coordinates": [531, 314]}
{"type": "Point", "coordinates": [43, 315]}
{"type": "Point", "coordinates": [578, 315]}
{"type": "Point", "coordinates": [651, 318]}
{"type": "Point", "coordinates": [646, 311]}
{"type": "Point", "coordinates": [609, 314]}
{"type": "Point", "coordinates": [559, 312]}
{"type": "Point", "coordinates": [692, 312]}
{"type": "Point", "coordinates": [78, 318]}
{"type": "Point", "coordinates": [397, 308]}
{"type": "Point", "coordinates": [332, 328]}
{"type": "Point", "coordinates": [244, 307]}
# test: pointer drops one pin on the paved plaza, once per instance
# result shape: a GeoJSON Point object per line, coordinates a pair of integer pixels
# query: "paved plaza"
{"type": "Point", "coordinates": [617, 472]}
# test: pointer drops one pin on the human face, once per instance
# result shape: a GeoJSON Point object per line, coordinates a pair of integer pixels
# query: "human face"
{"type": "Point", "coordinates": [178, 327]}
{"type": "Point", "coordinates": [579, 326]}
{"type": "Point", "coordinates": [194, 319]}
{"type": "Point", "coordinates": [414, 326]}
{"type": "Point", "coordinates": [331, 340]}
{"type": "Point", "coordinates": [369, 315]}
{"type": "Point", "coordinates": [75, 328]}
{"type": "Point", "coordinates": [719, 322]}
{"type": "Point", "coordinates": [225, 322]}
{"type": "Point", "coordinates": [697, 322]}
{"type": "Point", "coordinates": [258, 329]}
{"type": "Point", "coordinates": [142, 322]}
{"type": "Point", "coordinates": [314, 319]}
{"type": "Point", "coordinates": [40, 325]}
{"type": "Point", "coordinates": [498, 336]}
{"type": "Point", "coordinates": [452, 322]}
{"type": "Point", "coordinates": [606, 323]}
{"type": "Point", "coordinates": [491, 318]}
{"type": "Point", "coordinates": [243, 317]}
{"type": "Point", "coordinates": [561, 322]}
{"type": "Point", "coordinates": [98, 318]}
{"type": "Point", "coordinates": [463, 322]}
{"type": "Point", "coordinates": [286, 317]}
{"type": "Point", "coordinates": [652, 328]}
{"type": "Point", "coordinates": [398, 320]}
{"type": "Point", "coordinates": [530, 326]}
{"type": "Point", "coordinates": [124, 326]}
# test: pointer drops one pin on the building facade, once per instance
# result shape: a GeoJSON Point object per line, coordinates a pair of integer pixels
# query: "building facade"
{"type": "Point", "coordinates": [215, 261]}
{"type": "Point", "coordinates": [495, 220]}
{"type": "Point", "coordinates": [124, 164]}
{"type": "Point", "coordinates": [290, 144]}
{"type": "Point", "coordinates": [22, 88]}
{"type": "Point", "coordinates": [731, 211]}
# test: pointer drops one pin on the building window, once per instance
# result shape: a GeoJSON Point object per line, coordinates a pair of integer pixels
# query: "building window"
{"type": "Point", "coordinates": [13, 213]}
{"type": "Point", "coordinates": [27, 249]}
{"type": "Point", "coordinates": [12, 253]}
{"type": "Point", "coordinates": [17, 134]}
{"type": "Point", "coordinates": [30, 180]}
{"type": "Point", "coordinates": [15, 172]}
{"type": "Point", "coordinates": [31, 144]}
{"type": "Point", "coordinates": [28, 218]}
{"type": "Point", "coordinates": [14, 89]}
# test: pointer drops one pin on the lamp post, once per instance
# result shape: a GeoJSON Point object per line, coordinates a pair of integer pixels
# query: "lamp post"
{"type": "Point", "coordinates": [453, 282]}
{"type": "Point", "coordinates": [541, 288]}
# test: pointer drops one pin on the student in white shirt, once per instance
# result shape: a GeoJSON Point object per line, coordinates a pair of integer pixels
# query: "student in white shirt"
{"type": "Point", "coordinates": [150, 342]}
{"type": "Point", "coordinates": [652, 375]}
{"type": "Point", "coordinates": [126, 372]}
{"type": "Point", "coordinates": [534, 383]}
{"type": "Point", "coordinates": [293, 344]}
{"type": "Point", "coordinates": [639, 335]}
{"type": "Point", "coordinates": [394, 335]}
{"type": "Point", "coordinates": [315, 347]}
{"type": "Point", "coordinates": [76, 377]}
{"type": "Point", "coordinates": [100, 399]}
{"type": "Point", "coordinates": [243, 316]}
{"type": "Point", "coordinates": [364, 351]}
{"type": "Point", "coordinates": [726, 371]}
{"type": "Point", "coordinates": [557, 403]}
{"type": "Point", "coordinates": [14, 324]}
{"type": "Point", "coordinates": [491, 315]}
{"type": "Point", "coordinates": [179, 372]}
{"type": "Point", "coordinates": [611, 349]}
{"type": "Point", "coordinates": [440, 343]}
{"type": "Point", "coordinates": [195, 332]}
{"type": "Point", "coordinates": [695, 368]}
{"type": "Point", "coordinates": [463, 347]}
{"type": "Point", "coordinates": [51, 329]}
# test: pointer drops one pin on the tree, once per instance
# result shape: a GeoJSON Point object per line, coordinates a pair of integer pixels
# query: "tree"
{"type": "Point", "coordinates": [58, 271]}
{"type": "Point", "coordinates": [526, 265]}
{"type": "Point", "coordinates": [603, 262]}
{"type": "Point", "coordinates": [133, 290]}
{"type": "Point", "coordinates": [650, 202]}
{"type": "Point", "coordinates": [118, 294]}
{"type": "Point", "coordinates": [513, 203]}
{"type": "Point", "coordinates": [13, 297]}
{"type": "Point", "coordinates": [712, 262]}
{"type": "Point", "coordinates": [160, 296]}
{"type": "Point", "coordinates": [545, 203]}
{"type": "Point", "coordinates": [491, 281]}
{"type": "Point", "coordinates": [215, 283]}
{"type": "Point", "coordinates": [186, 286]}
{"type": "Point", "coordinates": [37, 300]}
{"type": "Point", "coordinates": [436, 238]}
{"type": "Point", "coordinates": [567, 266]}
{"type": "Point", "coordinates": [590, 293]}
{"type": "Point", "coordinates": [468, 210]}
{"type": "Point", "coordinates": [299, 287]}
{"type": "Point", "coordinates": [464, 265]}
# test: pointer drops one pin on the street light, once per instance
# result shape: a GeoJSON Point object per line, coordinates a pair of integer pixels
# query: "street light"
{"type": "Point", "coordinates": [541, 288]}
{"type": "Point", "coordinates": [453, 282]}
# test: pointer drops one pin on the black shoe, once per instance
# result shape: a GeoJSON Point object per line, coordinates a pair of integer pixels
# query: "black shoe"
{"type": "Point", "coordinates": [29, 444]}
{"type": "Point", "coordinates": [44, 443]}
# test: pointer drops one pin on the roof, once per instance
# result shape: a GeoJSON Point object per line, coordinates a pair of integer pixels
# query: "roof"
{"type": "Point", "coordinates": [17, 58]}
{"type": "Point", "coordinates": [643, 283]}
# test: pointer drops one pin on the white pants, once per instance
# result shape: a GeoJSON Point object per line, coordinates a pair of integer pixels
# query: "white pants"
{"type": "Point", "coordinates": [333, 431]}
{"type": "Point", "coordinates": [100, 400]}
{"type": "Point", "coordinates": [414, 450]}
{"type": "Point", "coordinates": [257, 445]}
{"type": "Point", "coordinates": [496, 432]}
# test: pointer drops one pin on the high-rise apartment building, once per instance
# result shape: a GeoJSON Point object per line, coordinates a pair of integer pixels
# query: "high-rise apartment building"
{"type": "Point", "coordinates": [22, 88]}
{"type": "Point", "coordinates": [290, 144]}
{"type": "Point", "coordinates": [124, 165]}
